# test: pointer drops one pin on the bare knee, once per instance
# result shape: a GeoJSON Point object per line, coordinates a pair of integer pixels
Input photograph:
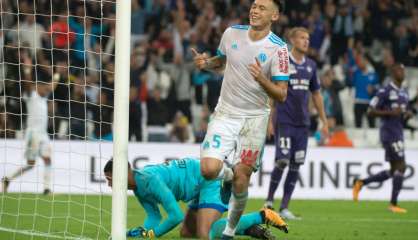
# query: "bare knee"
{"type": "Point", "coordinates": [210, 167]}
{"type": "Point", "coordinates": [47, 161]}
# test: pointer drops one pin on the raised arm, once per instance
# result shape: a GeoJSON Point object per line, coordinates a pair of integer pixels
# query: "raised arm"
{"type": "Point", "coordinates": [203, 62]}
{"type": "Point", "coordinates": [276, 89]}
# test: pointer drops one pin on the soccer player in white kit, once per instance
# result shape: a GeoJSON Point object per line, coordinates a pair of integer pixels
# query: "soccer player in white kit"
{"type": "Point", "coordinates": [36, 133]}
{"type": "Point", "coordinates": [256, 68]}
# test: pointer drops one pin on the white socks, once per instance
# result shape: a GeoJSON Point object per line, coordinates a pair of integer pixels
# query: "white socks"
{"type": "Point", "coordinates": [225, 174]}
{"type": "Point", "coordinates": [47, 177]}
{"type": "Point", "coordinates": [236, 208]}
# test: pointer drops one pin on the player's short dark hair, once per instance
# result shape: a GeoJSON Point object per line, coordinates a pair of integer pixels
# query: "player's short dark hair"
{"type": "Point", "coordinates": [279, 4]}
{"type": "Point", "coordinates": [109, 166]}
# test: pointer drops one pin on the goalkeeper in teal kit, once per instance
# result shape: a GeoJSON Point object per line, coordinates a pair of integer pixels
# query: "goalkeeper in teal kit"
{"type": "Point", "coordinates": [180, 180]}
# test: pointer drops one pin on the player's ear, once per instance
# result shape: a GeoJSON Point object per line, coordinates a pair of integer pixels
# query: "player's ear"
{"type": "Point", "coordinates": [276, 15]}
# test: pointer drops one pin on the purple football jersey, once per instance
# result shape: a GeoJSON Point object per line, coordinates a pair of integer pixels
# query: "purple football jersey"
{"type": "Point", "coordinates": [303, 81]}
{"type": "Point", "coordinates": [388, 98]}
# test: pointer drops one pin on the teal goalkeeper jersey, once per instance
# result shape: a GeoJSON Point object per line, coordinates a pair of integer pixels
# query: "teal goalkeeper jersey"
{"type": "Point", "coordinates": [165, 184]}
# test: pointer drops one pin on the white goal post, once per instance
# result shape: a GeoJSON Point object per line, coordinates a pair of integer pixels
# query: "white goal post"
{"type": "Point", "coordinates": [121, 118]}
{"type": "Point", "coordinates": [64, 103]}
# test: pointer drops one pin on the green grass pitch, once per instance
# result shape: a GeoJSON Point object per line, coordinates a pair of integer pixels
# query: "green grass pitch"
{"type": "Point", "coordinates": [30, 216]}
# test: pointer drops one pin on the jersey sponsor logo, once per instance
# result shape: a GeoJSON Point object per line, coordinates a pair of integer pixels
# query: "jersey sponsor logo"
{"type": "Point", "coordinates": [283, 60]}
{"type": "Point", "coordinates": [262, 57]}
{"type": "Point", "coordinates": [300, 154]}
{"type": "Point", "coordinates": [296, 81]}
{"type": "Point", "coordinates": [299, 84]}
{"type": "Point", "coordinates": [393, 95]}
{"type": "Point", "coordinates": [248, 156]}
{"type": "Point", "coordinates": [300, 87]}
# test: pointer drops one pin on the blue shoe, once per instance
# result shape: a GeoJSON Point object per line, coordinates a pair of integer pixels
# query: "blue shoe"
{"type": "Point", "coordinates": [226, 237]}
{"type": "Point", "coordinates": [136, 232]}
{"type": "Point", "coordinates": [226, 191]}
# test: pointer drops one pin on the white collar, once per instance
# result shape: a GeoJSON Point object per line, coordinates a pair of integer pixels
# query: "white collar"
{"type": "Point", "coordinates": [394, 85]}
{"type": "Point", "coordinates": [294, 60]}
{"type": "Point", "coordinates": [257, 42]}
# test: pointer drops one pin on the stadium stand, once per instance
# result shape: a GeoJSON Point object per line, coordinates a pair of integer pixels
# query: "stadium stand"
{"type": "Point", "coordinates": [163, 82]}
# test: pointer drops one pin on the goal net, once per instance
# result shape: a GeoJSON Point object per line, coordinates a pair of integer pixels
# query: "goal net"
{"type": "Point", "coordinates": [56, 111]}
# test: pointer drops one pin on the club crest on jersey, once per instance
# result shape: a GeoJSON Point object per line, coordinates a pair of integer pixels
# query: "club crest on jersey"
{"type": "Point", "coordinates": [234, 46]}
{"type": "Point", "coordinates": [309, 69]}
{"type": "Point", "coordinates": [262, 57]}
{"type": "Point", "coordinates": [393, 95]}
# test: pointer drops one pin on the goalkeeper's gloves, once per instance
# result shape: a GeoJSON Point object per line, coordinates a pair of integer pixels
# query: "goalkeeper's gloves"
{"type": "Point", "coordinates": [140, 232]}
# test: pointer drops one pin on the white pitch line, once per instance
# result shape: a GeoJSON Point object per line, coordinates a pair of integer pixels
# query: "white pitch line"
{"type": "Point", "coordinates": [366, 220]}
{"type": "Point", "coordinates": [40, 234]}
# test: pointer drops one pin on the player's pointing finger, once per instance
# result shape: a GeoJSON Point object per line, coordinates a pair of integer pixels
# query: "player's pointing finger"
{"type": "Point", "coordinates": [195, 53]}
{"type": "Point", "coordinates": [258, 62]}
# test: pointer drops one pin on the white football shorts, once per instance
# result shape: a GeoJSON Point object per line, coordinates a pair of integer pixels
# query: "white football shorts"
{"type": "Point", "coordinates": [36, 145]}
{"type": "Point", "coordinates": [244, 137]}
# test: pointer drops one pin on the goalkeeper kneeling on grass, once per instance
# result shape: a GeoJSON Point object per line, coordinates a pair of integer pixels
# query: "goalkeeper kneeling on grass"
{"type": "Point", "coordinates": [177, 180]}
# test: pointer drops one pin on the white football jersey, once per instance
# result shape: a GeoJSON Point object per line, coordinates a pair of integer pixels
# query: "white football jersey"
{"type": "Point", "coordinates": [37, 110]}
{"type": "Point", "coordinates": [241, 94]}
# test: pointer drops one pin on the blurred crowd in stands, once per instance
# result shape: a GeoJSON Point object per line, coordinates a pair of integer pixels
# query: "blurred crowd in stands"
{"type": "Point", "coordinates": [354, 43]}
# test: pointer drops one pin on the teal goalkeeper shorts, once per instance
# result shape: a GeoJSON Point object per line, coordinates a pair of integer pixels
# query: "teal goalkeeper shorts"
{"type": "Point", "coordinates": [209, 197]}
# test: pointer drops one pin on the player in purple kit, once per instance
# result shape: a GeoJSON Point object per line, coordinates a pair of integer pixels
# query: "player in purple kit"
{"type": "Point", "coordinates": [390, 103]}
{"type": "Point", "coordinates": [291, 119]}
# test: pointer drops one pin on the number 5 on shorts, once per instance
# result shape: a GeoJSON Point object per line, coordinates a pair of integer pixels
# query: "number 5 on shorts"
{"type": "Point", "coordinates": [216, 141]}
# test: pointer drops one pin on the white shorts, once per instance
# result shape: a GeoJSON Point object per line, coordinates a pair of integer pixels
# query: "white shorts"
{"type": "Point", "coordinates": [244, 137]}
{"type": "Point", "coordinates": [36, 145]}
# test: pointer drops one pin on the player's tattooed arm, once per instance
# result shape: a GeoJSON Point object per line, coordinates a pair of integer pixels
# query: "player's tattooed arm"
{"type": "Point", "coordinates": [277, 91]}
{"type": "Point", "coordinates": [215, 64]}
